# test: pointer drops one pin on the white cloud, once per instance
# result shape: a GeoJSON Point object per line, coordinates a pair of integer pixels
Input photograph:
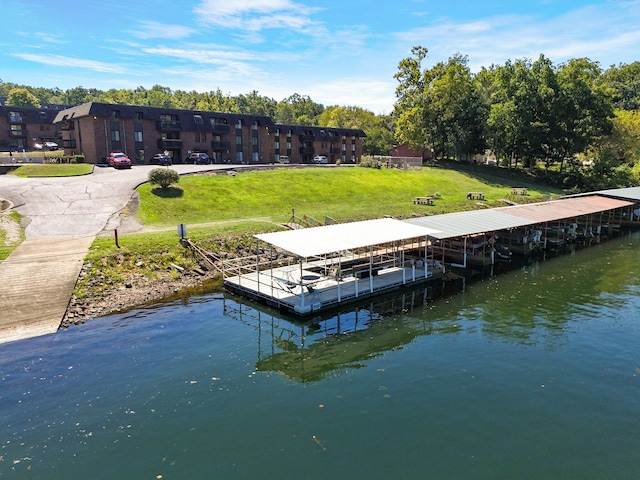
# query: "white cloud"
{"type": "Point", "coordinates": [255, 15]}
{"type": "Point", "coordinates": [158, 30]}
{"type": "Point", "coordinates": [70, 62]}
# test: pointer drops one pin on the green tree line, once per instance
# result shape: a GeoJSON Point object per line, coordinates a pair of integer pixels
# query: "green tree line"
{"type": "Point", "coordinates": [575, 122]}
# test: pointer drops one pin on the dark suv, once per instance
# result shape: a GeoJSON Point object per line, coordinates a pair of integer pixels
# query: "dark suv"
{"type": "Point", "coordinates": [198, 159]}
{"type": "Point", "coordinates": [160, 159]}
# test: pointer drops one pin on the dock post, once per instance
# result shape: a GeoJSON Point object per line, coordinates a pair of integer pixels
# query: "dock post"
{"type": "Point", "coordinates": [356, 283]}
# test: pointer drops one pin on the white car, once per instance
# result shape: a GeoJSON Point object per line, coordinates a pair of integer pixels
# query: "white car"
{"type": "Point", "coordinates": [320, 159]}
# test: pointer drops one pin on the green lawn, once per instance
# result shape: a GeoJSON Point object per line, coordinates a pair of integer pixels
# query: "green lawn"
{"type": "Point", "coordinates": [53, 170]}
{"type": "Point", "coordinates": [341, 193]}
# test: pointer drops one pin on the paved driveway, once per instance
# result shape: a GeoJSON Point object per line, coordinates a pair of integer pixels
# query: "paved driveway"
{"type": "Point", "coordinates": [78, 206]}
{"type": "Point", "coordinates": [64, 215]}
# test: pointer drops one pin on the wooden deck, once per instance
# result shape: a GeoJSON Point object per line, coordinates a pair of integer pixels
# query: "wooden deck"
{"type": "Point", "coordinates": [304, 291]}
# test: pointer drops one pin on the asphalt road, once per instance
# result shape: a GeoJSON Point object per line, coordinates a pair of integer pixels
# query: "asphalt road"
{"type": "Point", "coordinates": [64, 215]}
{"type": "Point", "coordinates": [82, 205]}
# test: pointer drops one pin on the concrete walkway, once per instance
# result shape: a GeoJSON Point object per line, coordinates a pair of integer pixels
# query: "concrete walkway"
{"type": "Point", "coordinates": [64, 215]}
{"type": "Point", "coordinates": [37, 282]}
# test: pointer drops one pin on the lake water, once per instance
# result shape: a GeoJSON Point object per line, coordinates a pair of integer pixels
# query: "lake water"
{"type": "Point", "coordinates": [530, 374]}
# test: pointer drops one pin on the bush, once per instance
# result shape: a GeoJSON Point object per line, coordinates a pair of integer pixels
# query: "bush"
{"type": "Point", "coordinates": [163, 177]}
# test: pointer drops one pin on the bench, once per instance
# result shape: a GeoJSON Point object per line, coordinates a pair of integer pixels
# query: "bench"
{"type": "Point", "coordinates": [475, 196]}
{"type": "Point", "coordinates": [424, 200]}
{"type": "Point", "coordinates": [518, 191]}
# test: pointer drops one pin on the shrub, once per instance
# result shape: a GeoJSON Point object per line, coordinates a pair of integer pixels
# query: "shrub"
{"type": "Point", "coordinates": [163, 177]}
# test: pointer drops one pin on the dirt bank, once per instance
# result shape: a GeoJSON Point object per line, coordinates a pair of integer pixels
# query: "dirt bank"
{"type": "Point", "coordinates": [139, 291]}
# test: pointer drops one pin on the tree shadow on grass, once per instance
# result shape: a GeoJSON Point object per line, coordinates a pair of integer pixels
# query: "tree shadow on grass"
{"type": "Point", "coordinates": [170, 192]}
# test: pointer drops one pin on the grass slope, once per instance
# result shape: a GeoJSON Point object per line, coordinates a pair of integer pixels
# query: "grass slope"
{"type": "Point", "coordinates": [341, 193]}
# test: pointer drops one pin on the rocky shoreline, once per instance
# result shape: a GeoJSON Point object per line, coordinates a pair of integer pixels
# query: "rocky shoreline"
{"type": "Point", "coordinates": [137, 292]}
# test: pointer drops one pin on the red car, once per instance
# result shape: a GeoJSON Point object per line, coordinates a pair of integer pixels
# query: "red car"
{"type": "Point", "coordinates": [118, 160]}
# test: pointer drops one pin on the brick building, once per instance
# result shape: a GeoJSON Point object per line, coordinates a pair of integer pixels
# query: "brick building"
{"type": "Point", "coordinates": [95, 129]}
{"type": "Point", "coordinates": [24, 127]}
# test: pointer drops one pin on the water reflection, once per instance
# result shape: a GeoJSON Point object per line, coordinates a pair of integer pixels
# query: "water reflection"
{"type": "Point", "coordinates": [534, 302]}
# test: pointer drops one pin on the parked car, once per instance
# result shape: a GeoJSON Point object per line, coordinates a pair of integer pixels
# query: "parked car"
{"type": "Point", "coordinates": [51, 145]}
{"type": "Point", "coordinates": [118, 160]}
{"type": "Point", "coordinates": [283, 159]}
{"type": "Point", "coordinates": [198, 159]}
{"type": "Point", "coordinates": [320, 159]}
{"type": "Point", "coordinates": [161, 159]}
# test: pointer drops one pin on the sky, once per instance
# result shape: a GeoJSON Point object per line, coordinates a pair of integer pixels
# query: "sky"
{"type": "Point", "coordinates": [337, 52]}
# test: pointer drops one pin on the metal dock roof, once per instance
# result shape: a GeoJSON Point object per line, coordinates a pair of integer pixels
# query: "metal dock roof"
{"type": "Point", "coordinates": [460, 224]}
{"type": "Point", "coordinates": [318, 241]}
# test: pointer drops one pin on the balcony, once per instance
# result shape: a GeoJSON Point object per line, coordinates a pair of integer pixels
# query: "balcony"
{"type": "Point", "coordinates": [68, 125]}
{"type": "Point", "coordinates": [169, 143]}
{"type": "Point", "coordinates": [307, 150]}
{"type": "Point", "coordinates": [71, 144]}
{"type": "Point", "coordinates": [218, 146]}
{"type": "Point", "coordinates": [169, 125]}
{"type": "Point", "coordinates": [307, 138]}
{"type": "Point", "coordinates": [18, 133]}
{"type": "Point", "coordinates": [14, 118]}
{"type": "Point", "coordinates": [220, 128]}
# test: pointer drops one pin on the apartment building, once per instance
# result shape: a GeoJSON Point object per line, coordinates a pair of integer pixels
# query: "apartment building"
{"type": "Point", "coordinates": [95, 129]}
{"type": "Point", "coordinates": [26, 128]}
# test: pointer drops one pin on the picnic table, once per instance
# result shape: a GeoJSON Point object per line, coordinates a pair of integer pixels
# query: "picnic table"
{"type": "Point", "coordinates": [519, 191]}
{"type": "Point", "coordinates": [424, 200]}
{"type": "Point", "coordinates": [475, 196]}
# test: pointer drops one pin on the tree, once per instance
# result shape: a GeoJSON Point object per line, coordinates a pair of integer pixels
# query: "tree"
{"type": "Point", "coordinates": [22, 97]}
{"type": "Point", "coordinates": [440, 107]}
{"type": "Point", "coordinates": [624, 82]}
{"type": "Point", "coordinates": [298, 110]}
{"type": "Point", "coordinates": [163, 177]}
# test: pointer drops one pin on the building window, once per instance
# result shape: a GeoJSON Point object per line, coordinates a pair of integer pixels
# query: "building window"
{"type": "Point", "coordinates": [201, 137]}
{"type": "Point", "coordinates": [239, 124]}
{"type": "Point", "coordinates": [115, 114]}
{"type": "Point", "coordinates": [15, 117]}
{"type": "Point", "coordinates": [254, 141]}
{"type": "Point", "coordinates": [43, 115]}
{"type": "Point", "coordinates": [197, 119]}
{"type": "Point", "coordinates": [254, 126]}
{"type": "Point", "coordinates": [276, 144]}
{"type": "Point", "coordinates": [255, 157]}
{"type": "Point", "coordinates": [115, 135]}
{"type": "Point", "coordinates": [139, 115]}
{"type": "Point", "coordinates": [239, 157]}
{"type": "Point", "coordinates": [16, 128]}
{"type": "Point", "coordinates": [137, 136]}
{"type": "Point", "coordinates": [239, 140]}
{"type": "Point", "coordinates": [289, 146]}
{"type": "Point", "coordinates": [44, 128]}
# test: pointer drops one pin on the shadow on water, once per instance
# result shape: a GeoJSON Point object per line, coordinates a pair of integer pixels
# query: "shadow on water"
{"type": "Point", "coordinates": [532, 301]}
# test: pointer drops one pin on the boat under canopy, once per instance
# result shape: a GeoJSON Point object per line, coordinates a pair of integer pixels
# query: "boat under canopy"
{"type": "Point", "coordinates": [314, 268]}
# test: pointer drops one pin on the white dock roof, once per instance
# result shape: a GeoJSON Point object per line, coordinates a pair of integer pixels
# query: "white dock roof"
{"type": "Point", "coordinates": [317, 241]}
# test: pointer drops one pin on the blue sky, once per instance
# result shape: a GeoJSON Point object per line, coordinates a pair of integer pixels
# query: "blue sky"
{"type": "Point", "coordinates": [338, 52]}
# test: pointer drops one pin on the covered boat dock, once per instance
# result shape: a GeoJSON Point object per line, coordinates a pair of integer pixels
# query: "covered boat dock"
{"type": "Point", "coordinates": [456, 232]}
{"type": "Point", "coordinates": [305, 270]}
